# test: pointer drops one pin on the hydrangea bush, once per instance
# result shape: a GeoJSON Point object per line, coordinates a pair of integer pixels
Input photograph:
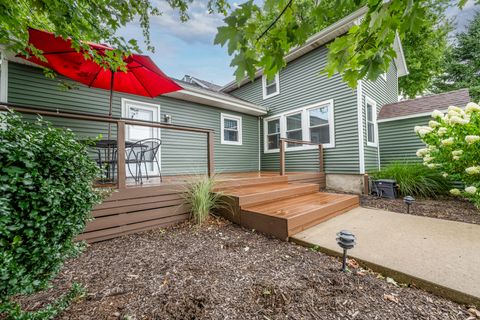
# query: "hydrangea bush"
{"type": "Point", "coordinates": [453, 146]}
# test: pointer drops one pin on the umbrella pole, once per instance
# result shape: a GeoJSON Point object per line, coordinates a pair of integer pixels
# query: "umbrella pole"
{"type": "Point", "coordinates": [109, 124]}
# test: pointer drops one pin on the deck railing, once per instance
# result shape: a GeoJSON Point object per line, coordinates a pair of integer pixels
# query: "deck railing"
{"type": "Point", "coordinates": [121, 123]}
{"type": "Point", "coordinates": [284, 141]}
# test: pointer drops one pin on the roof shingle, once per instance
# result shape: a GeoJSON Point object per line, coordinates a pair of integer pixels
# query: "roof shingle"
{"type": "Point", "coordinates": [425, 104]}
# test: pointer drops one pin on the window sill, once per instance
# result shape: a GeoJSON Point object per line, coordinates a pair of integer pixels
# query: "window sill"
{"type": "Point", "coordinates": [232, 143]}
{"type": "Point", "coordinates": [271, 95]}
{"type": "Point", "coordinates": [372, 144]}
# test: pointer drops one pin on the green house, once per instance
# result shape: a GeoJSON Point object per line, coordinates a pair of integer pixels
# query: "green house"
{"type": "Point", "coordinates": [248, 119]}
{"type": "Point", "coordinates": [396, 122]}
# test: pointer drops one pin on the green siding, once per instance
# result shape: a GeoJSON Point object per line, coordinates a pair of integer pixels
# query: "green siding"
{"type": "Point", "coordinates": [302, 84]}
{"type": "Point", "coordinates": [382, 92]}
{"type": "Point", "coordinates": [398, 141]}
{"type": "Point", "coordinates": [182, 153]}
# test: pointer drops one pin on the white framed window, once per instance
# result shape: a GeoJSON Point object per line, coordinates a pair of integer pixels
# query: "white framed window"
{"type": "Point", "coordinates": [272, 134]}
{"type": "Point", "coordinates": [271, 87]}
{"type": "Point", "coordinates": [313, 123]}
{"type": "Point", "coordinates": [231, 127]}
{"type": "Point", "coordinates": [371, 121]}
{"type": "Point", "coordinates": [319, 124]}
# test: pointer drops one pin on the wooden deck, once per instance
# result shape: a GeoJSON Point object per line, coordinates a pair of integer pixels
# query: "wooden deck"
{"type": "Point", "coordinates": [277, 205]}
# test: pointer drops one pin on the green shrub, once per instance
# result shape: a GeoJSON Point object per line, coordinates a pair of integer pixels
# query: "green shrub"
{"type": "Point", "coordinates": [46, 196]}
{"type": "Point", "coordinates": [200, 196]}
{"type": "Point", "coordinates": [415, 179]}
{"type": "Point", "coordinates": [453, 146]}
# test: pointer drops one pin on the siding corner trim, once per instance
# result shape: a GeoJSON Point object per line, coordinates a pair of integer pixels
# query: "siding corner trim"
{"type": "Point", "coordinates": [361, 151]}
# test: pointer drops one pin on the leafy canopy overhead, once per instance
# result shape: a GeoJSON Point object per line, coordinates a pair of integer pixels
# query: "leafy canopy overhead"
{"type": "Point", "coordinates": [86, 20]}
{"type": "Point", "coordinates": [462, 62]}
{"type": "Point", "coordinates": [259, 37]}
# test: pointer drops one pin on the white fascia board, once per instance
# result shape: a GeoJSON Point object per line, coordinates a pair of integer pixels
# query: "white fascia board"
{"type": "Point", "coordinates": [216, 100]}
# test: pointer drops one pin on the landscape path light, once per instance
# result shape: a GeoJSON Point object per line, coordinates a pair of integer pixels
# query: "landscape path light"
{"type": "Point", "coordinates": [409, 200]}
{"type": "Point", "coordinates": [346, 240]}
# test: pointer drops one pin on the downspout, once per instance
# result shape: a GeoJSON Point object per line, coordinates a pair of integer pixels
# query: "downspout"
{"type": "Point", "coordinates": [361, 151]}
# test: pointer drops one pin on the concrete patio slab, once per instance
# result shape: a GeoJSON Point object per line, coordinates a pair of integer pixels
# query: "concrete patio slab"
{"type": "Point", "coordinates": [438, 255]}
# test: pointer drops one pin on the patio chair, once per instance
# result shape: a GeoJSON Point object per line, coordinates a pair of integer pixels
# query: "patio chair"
{"type": "Point", "coordinates": [141, 153]}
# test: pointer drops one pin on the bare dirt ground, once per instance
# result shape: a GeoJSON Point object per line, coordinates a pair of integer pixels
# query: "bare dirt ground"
{"type": "Point", "coordinates": [221, 271]}
{"type": "Point", "coordinates": [445, 208]}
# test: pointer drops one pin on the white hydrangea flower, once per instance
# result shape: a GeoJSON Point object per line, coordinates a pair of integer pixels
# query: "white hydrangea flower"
{"type": "Point", "coordinates": [437, 114]}
{"type": "Point", "coordinates": [472, 107]}
{"type": "Point", "coordinates": [428, 159]}
{"type": "Point", "coordinates": [433, 165]}
{"type": "Point", "coordinates": [447, 142]}
{"type": "Point", "coordinates": [433, 124]}
{"type": "Point", "coordinates": [454, 109]}
{"type": "Point", "coordinates": [472, 139]}
{"type": "Point", "coordinates": [444, 174]}
{"type": "Point", "coordinates": [422, 152]}
{"type": "Point", "coordinates": [471, 190]}
{"type": "Point", "coordinates": [455, 192]}
{"type": "Point", "coordinates": [473, 170]}
{"type": "Point", "coordinates": [442, 131]}
{"type": "Point", "coordinates": [458, 120]}
{"type": "Point", "coordinates": [431, 148]}
{"type": "Point", "coordinates": [422, 130]}
{"type": "Point", "coordinates": [456, 158]}
{"type": "Point", "coordinates": [457, 152]}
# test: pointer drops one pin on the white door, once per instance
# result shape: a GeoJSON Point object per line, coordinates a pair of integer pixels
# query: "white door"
{"type": "Point", "coordinates": [141, 111]}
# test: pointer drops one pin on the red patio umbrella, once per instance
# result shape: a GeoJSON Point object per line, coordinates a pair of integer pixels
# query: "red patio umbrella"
{"type": "Point", "coordinates": [142, 76]}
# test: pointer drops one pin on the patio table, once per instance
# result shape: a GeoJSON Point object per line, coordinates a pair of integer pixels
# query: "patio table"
{"type": "Point", "coordinates": [107, 155]}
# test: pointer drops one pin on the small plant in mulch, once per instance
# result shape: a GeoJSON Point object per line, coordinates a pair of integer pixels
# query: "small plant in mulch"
{"type": "Point", "coordinates": [199, 194]}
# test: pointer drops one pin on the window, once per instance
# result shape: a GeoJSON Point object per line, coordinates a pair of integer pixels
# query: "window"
{"type": "Point", "coordinates": [294, 128]}
{"type": "Point", "coordinates": [273, 134]}
{"type": "Point", "coordinates": [319, 124]}
{"type": "Point", "coordinates": [271, 87]}
{"type": "Point", "coordinates": [231, 129]}
{"type": "Point", "coordinates": [371, 118]}
{"type": "Point", "coordinates": [313, 123]}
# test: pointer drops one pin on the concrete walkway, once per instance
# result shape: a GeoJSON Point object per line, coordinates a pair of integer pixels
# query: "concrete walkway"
{"type": "Point", "coordinates": [438, 255]}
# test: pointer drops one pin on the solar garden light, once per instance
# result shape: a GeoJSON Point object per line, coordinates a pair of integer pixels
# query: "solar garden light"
{"type": "Point", "coordinates": [346, 240]}
{"type": "Point", "coordinates": [409, 200]}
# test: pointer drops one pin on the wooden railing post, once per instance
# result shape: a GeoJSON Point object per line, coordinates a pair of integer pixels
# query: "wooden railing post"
{"type": "Point", "coordinates": [366, 185]}
{"type": "Point", "coordinates": [121, 174]}
{"type": "Point", "coordinates": [211, 156]}
{"type": "Point", "coordinates": [320, 158]}
{"type": "Point", "coordinates": [282, 157]}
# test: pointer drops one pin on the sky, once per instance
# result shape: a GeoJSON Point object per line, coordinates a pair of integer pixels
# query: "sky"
{"type": "Point", "coordinates": [187, 48]}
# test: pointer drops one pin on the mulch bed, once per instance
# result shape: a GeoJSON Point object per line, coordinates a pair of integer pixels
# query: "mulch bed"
{"type": "Point", "coordinates": [447, 208]}
{"type": "Point", "coordinates": [221, 271]}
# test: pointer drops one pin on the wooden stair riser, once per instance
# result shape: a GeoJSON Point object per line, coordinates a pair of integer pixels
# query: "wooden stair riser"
{"type": "Point", "coordinates": [225, 184]}
{"type": "Point", "coordinates": [275, 195]}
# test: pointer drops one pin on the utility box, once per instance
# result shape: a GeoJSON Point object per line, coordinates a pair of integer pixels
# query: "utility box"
{"type": "Point", "coordinates": [385, 188]}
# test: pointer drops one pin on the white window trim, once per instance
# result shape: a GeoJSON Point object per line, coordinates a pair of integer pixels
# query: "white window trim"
{"type": "Point", "coordinates": [305, 127]}
{"type": "Point", "coordinates": [264, 86]}
{"type": "Point", "coordinates": [224, 116]}
{"type": "Point", "coordinates": [370, 101]}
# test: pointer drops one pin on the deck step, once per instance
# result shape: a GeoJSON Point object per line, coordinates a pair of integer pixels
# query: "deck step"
{"type": "Point", "coordinates": [292, 215]}
{"type": "Point", "coordinates": [249, 181]}
{"type": "Point", "coordinates": [266, 193]}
